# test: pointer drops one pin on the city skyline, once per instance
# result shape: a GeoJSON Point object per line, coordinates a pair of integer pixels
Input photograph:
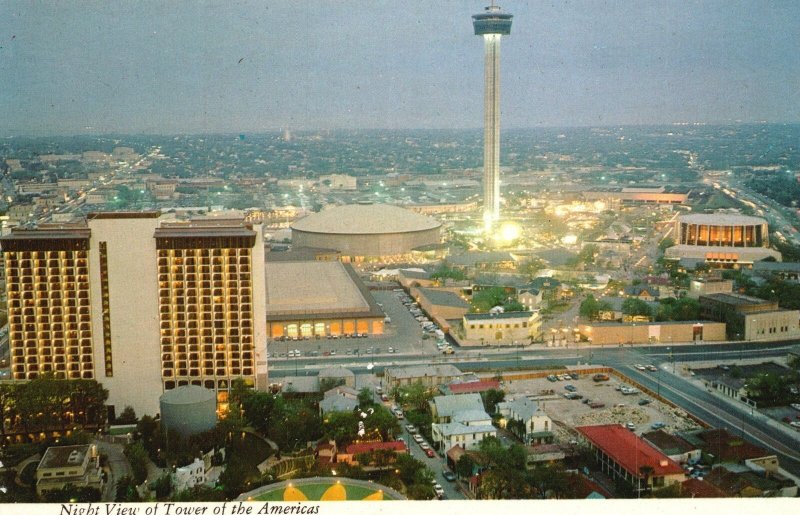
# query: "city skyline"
{"type": "Point", "coordinates": [153, 68]}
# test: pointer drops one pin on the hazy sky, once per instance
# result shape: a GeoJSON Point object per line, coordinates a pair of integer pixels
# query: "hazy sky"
{"type": "Point", "coordinates": [189, 66]}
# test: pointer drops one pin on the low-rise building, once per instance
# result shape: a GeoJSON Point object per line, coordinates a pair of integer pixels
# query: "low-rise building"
{"type": "Point", "coordinates": [751, 318]}
{"type": "Point", "coordinates": [613, 333]}
{"type": "Point", "coordinates": [709, 285]}
{"type": "Point", "coordinates": [190, 476]}
{"type": "Point", "coordinates": [77, 465]}
{"type": "Point", "coordinates": [531, 298]}
{"type": "Point", "coordinates": [673, 446]}
{"type": "Point", "coordinates": [515, 327]}
{"type": "Point", "coordinates": [460, 420]}
{"type": "Point", "coordinates": [429, 375]}
{"type": "Point", "coordinates": [532, 425]}
{"type": "Point", "coordinates": [626, 457]}
{"type": "Point", "coordinates": [355, 453]}
{"type": "Point", "coordinates": [440, 304]}
{"type": "Point", "coordinates": [643, 292]}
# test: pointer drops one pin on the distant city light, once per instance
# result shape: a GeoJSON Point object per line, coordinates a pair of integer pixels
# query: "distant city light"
{"type": "Point", "coordinates": [569, 239]}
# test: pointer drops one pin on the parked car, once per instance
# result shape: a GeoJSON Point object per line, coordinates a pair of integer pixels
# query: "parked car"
{"type": "Point", "coordinates": [795, 406]}
{"type": "Point", "coordinates": [552, 378]}
{"type": "Point", "coordinates": [449, 476]}
{"type": "Point", "coordinates": [630, 425]}
{"type": "Point", "coordinates": [652, 368]}
{"type": "Point", "coordinates": [570, 388]}
{"type": "Point", "coordinates": [644, 402]}
{"type": "Point", "coordinates": [424, 446]}
{"type": "Point", "coordinates": [437, 488]}
{"type": "Point", "coordinates": [657, 425]}
{"type": "Point", "coordinates": [411, 429]}
{"type": "Point", "coordinates": [639, 367]}
{"type": "Point", "coordinates": [600, 377]}
{"type": "Point", "coordinates": [429, 453]}
{"type": "Point", "coordinates": [418, 438]}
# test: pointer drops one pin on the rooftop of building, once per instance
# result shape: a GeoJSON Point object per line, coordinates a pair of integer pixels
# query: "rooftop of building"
{"type": "Point", "coordinates": [720, 219]}
{"type": "Point", "coordinates": [337, 403]}
{"type": "Point", "coordinates": [64, 456]}
{"type": "Point", "coordinates": [414, 274]}
{"type": "Point", "coordinates": [499, 316]}
{"type": "Point", "coordinates": [365, 219]}
{"type": "Point", "coordinates": [630, 451]}
{"type": "Point", "coordinates": [469, 387]}
{"type": "Point", "coordinates": [449, 405]}
{"type": "Point", "coordinates": [668, 443]}
{"type": "Point", "coordinates": [359, 448]}
{"type": "Point", "coordinates": [187, 394]}
{"type": "Point", "coordinates": [457, 428]}
{"type": "Point", "coordinates": [415, 371]}
{"type": "Point", "coordinates": [728, 447]}
{"type": "Point", "coordinates": [314, 289]}
{"type": "Point", "coordinates": [444, 298]}
{"type": "Point", "coordinates": [523, 407]}
{"type": "Point", "coordinates": [736, 299]}
{"type": "Point", "coordinates": [475, 258]}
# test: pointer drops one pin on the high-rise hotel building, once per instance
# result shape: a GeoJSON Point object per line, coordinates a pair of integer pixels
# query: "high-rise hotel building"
{"type": "Point", "coordinates": [139, 303]}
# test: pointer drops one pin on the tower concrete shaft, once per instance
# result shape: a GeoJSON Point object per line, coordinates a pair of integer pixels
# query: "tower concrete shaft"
{"type": "Point", "coordinates": [492, 24]}
{"type": "Point", "coordinates": [491, 128]}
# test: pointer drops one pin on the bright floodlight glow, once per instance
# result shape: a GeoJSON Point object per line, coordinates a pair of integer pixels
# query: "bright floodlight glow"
{"type": "Point", "coordinates": [510, 231]}
{"type": "Point", "coordinates": [569, 239]}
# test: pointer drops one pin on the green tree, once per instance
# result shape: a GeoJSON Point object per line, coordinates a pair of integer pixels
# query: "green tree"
{"type": "Point", "coordinates": [128, 416]}
{"type": "Point", "coordinates": [415, 395]}
{"type": "Point", "coordinates": [163, 486]}
{"type": "Point", "coordinates": [464, 466]}
{"type": "Point", "coordinates": [137, 457]}
{"type": "Point", "coordinates": [665, 244]}
{"type": "Point", "coordinates": [635, 307]}
{"type": "Point", "coordinates": [491, 398]}
{"type": "Point", "coordinates": [365, 397]}
{"type": "Point", "coordinates": [126, 490]}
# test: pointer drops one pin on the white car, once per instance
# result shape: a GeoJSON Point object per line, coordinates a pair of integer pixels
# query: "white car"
{"type": "Point", "coordinates": [424, 446]}
{"type": "Point", "coordinates": [438, 489]}
{"type": "Point", "coordinates": [795, 406]}
{"type": "Point", "coordinates": [291, 354]}
{"type": "Point", "coordinates": [411, 429]}
{"type": "Point", "coordinates": [418, 438]}
{"type": "Point", "coordinates": [640, 367]}
{"type": "Point", "coordinates": [794, 423]}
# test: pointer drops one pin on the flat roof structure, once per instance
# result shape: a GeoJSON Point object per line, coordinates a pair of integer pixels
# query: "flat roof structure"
{"type": "Point", "coordinates": [314, 288]}
{"type": "Point", "coordinates": [720, 219]}
{"type": "Point", "coordinates": [64, 456]}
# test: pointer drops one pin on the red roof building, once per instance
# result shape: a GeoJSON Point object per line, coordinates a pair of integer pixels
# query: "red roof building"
{"type": "Point", "coordinates": [472, 387]}
{"type": "Point", "coordinates": [621, 454]}
{"type": "Point", "coordinates": [354, 449]}
{"type": "Point", "coordinates": [697, 488]}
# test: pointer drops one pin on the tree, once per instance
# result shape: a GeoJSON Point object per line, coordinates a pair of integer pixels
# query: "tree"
{"type": "Point", "coordinates": [126, 490]}
{"type": "Point", "coordinates": [128, 416]}
{"type": "Point", "coordinates": [635, 307]}
{"type": "Point", "coordinates": [163, 486]}
{"type": "Point", "coordinates": [416, 395]}
{"type": "Point", "coordinates": [665, 244]}
{"type": "Point", "coordinates": [491, 398]}
{"type": "Point", "coordinates": [365, 397]}
{"type": "Point", "coordinates": [589, 308]}
{"type": "Point", "coordinates": [465, 466]}
{"type": "Point", "coordinates": [137, 457]}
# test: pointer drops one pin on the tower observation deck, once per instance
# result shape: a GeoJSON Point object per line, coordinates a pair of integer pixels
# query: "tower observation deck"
{"type": "Point", "coordinates": [491, 24]}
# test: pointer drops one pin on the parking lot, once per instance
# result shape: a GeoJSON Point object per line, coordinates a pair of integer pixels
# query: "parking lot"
{"type": "Point", "coordinates": [612, 406]}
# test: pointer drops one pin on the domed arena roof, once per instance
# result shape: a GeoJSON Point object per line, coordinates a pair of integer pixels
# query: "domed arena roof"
{"type": "Point", "coordinates": [365, 219]}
